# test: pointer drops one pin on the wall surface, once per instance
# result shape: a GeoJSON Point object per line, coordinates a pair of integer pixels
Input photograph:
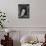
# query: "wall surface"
{"type": "Point", "coordinates": [37, 13]}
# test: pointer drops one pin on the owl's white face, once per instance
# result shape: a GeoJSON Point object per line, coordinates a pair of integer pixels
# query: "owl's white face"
{"type": "Point", "coordinates": [23, 12]}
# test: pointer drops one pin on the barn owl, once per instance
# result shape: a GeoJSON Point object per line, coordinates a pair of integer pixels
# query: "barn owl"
{"type": "Point", "coordinates": [23, 12]}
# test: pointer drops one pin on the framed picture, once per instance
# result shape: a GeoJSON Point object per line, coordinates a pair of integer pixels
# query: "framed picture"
{"type": "Point", "coordinates": [23, 10]}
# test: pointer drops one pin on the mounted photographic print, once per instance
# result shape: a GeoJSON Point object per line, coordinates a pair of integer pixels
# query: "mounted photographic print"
{"type": "Point", "coordinates": [23, 10]}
